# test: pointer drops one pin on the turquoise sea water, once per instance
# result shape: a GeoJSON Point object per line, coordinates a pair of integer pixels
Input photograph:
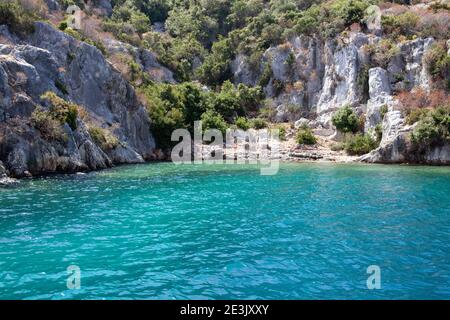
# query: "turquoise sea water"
{"type": "Point", "coordinates": [161, 231]}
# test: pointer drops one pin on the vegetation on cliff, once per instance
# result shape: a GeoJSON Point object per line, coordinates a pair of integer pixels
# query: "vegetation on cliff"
{"type": "Point", "coordinates": [199, 41]}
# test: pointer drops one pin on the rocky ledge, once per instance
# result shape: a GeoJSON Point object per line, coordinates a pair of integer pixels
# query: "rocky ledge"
{"type": "Point", "coordinates": [111, 127]}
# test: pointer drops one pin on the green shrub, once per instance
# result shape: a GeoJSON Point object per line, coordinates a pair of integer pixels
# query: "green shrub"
{"type": "Point", "coordinates": [81, 37]}
{"type": "Point", "coordinates": [266, 75]}
{"type": "Point", "coordinates": [165, 110]}
{"type": "Point", "coordinates": [278, 86]}
{"type": "Point", "coordinates": [433, 129]}
{"type": "Point", "coordinates": [62, 25]}
{"type": "Point", "coordinates": [379, 132]}
{"type": "Point", "coordinates": [242, 123]}
{"type": "Point", "coordinates": [345, 120]}
{"type": "Point", "coordinates": [49, 127]}
{"type": "Point", "coordinates": [437, 60]}
{"type": "Point", "coordinates": [282, 132]}
{"type": "Point", "coordinates": [383, 52]}
{"type": "Point", "coordinates": [216, 67]}
{"type": "Point", "coordinates": [359, 144]}
{"type": "Point", "coordinates": [127, 18]}
{"type": "Point", "coordinates": [426, 132]}
{"type": "Point", "coordinates": [213, 120]}
{"type": "Point", "coordinates": [258, 123]}
{"type": "Point", "coordinates": [61, 86]}
{"type": "Point", "coordinates": [402, 24]}
{"type": "Point", "coordinates": [103, 138]}
{"type": "Point", "coordinates": [383, 110]}
{"type": "Point", "coordinates": [61, 110]}
{"type": "Point", "coordinates": [268, 113]}
{"type": "Point", "coordinates": [17, 18]}
{"type": "Point", "coordinates": [330, 18]}
{"type": "Point", "coordinates": [415, 115]}
{"type": "Point", "coordinates": [305, 136]}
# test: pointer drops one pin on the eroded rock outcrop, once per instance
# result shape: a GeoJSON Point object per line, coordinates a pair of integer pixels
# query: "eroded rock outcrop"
{"type": "Point", "coordinates": [319, 77]}
{"type": "Point", "coordinates": [146, 59]}
{"type": "Point", "coordinates": [50, 60]}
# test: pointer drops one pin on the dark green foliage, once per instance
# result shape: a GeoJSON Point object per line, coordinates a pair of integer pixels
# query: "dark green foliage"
{"type": "Point", "coordinates": [172, 107]}
{"type": "Point", "coordinates": [359, 144]}
{"type": "Point", "coordinates": [379, 132]}
{"type": "Point", "coordinates": [81, 37]}
{"type": "Point", "coordinates": [259, 123]}
{"type": "Point", "coordinates": [266, 75]}
{"type": "Point", "coordinates": [61, 86]}
{"type": "Point", "coordinates": [62, 25]}
{"type": "Point", "coordinates": [49, 128]}
{"type": "Point", "coordinates": [278, 86]}
{"type": "Point", "coordinates": [330, 18]}
{"type": "Point", "coordinates": [216, 67]}
{"type": "Point", "coordinates": [17, 18]}
{"type": "Point", "coordinates": [103, 138]}
{"type": "Point", "coordinates": [242, 123]}
{"type": "Point", "coordinates": [383, 110]}
{"type": "Point", "coordinates": [127, 19]}
{"type": "Point", "coordinates": [345, 120]}
{"type": "Point", "coordinates": [282, 132]}
{"type": "Point", "coordinates": [402, 24]}
{"type": "Point", "coordinates": [203, 37]}
{"type": "Point", "coordinates": [415, 115]}
{"type": "Point", "coordinates": [305, 136]}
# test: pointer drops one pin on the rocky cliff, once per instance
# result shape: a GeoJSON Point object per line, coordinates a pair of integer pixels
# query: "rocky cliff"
{"type": "Point", "coordinates": [51, 61]}
{"type": "Point", "coordinates": [309, 79]}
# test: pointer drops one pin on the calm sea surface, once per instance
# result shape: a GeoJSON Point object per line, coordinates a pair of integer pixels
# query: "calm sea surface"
{"type": "Point", "coordinates": [161, 231]}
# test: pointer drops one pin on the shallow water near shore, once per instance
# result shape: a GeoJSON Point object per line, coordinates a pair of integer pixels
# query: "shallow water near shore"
{"type": "Point", "coordinates": [162, 231]}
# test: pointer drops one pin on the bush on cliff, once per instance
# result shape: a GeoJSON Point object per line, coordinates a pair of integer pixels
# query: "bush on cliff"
{"type": "Point", "coordinates": [127, 18]}
{"type": "Point", "coordinates": [62, 110]}
{"type": "Point", "coordinates": [433, 128]}
{"type": "Point", "coordinates": [103, 138]}
{"type": "Point", "coordinates": [217, 65]}
{"type": "Point", "coordinates": [258, 123]}
{"type": "Point", "coordinates": [49, 127]}
{"type": "Point", "coordinates": [345, 120]}
{"type": "Point", "coordinates": [330, 18]}
{"type": "Point", "coordinates": [402, 24]}
{"type": "Point", "coordinates": [242, 123]}
{"type": "Point", "coordinates": [305, 136]}
{"type": "Point", "coordinates": [213, 120]}
{"type": "Point", "coordinates": [437, 62]}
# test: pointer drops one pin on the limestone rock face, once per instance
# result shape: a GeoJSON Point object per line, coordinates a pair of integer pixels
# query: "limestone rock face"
{"type": "Point", "coordinates": [242, 72]}
{"type": "Point", "coordinates": [318, 77]}
{"type": "Point", "coordinates": [50, 60]}
{"type": "Point", "coordinates": [340, 80]}
{"type": "Point", "coordinates": [145, 58]}
{"type": "Point", "coordinates": [380, 96]}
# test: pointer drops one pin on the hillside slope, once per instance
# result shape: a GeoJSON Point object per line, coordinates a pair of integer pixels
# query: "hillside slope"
{"type": "Point", "coordinates": [111, 88]}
